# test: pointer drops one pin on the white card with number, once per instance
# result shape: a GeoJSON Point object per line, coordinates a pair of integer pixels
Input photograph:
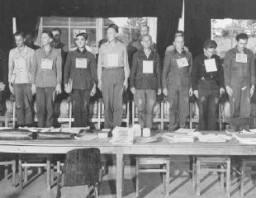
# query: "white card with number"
{"type": "Point", "coordinates": [210, 65]}
{"type": "Point", "coordinates": [81, 63]}
{"type": "Point", "coordinates": [182, 62]}
{"type": "Point", "coordinates": [148, 67]}
{"type": "Point", "coordinates": [112, 60]}
{"type": "Point", "coordinates": [46, 63]}
{"type": "Point", "coordinates": [241, 58]}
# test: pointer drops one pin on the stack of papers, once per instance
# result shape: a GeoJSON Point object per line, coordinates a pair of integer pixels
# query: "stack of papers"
{"type": "Point", "coordinates": [245, 138]}
{"type": "Point", "coordinates": [213, 137]}
{"type": "Point", "coordinates": [86, 137]}
{"type": "Point", "coordinates": [178, 137]}
{"type": "Point", "coordinates": [122, 135]}
{"type": "Point", "coordinates": [182, 130]}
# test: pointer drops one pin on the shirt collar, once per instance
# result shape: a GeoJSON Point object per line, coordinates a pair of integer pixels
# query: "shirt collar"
{"type": "Point", "coordinates": [23, 52]}
{"type": "Point", "coordinates": [176, 51]}
{"type": "Point", "coordinates": [83, 52]}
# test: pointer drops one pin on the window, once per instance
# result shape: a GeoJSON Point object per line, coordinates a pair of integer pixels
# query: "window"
{"type": "Point", "coordinates": [224, 32]}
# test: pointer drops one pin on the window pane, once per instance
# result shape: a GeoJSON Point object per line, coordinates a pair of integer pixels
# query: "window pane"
{"type": "Point", "coordinates": [55, 21]}
{"type": "Point", "coordinates": [82, 21]}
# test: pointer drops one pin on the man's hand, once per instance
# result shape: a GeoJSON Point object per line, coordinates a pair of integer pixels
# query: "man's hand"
{"type": "Point", "coordinates": [11, 88]}
{"type": "Point", "coordinates": [196, 93]}
{"type": "Point", "coordinates": [68, 88]}
{"type": "Point", "coordinates": [58, 88]}
{"type": "Point", "coordinates": [93, 91]}
{"type": "Point", "coordinates": [159, 91]}
{"type": "Point", "coordinates": [165, 92]}
{"type": "Point", "coordinates": [229, 90]}
{"type": "Point", "coordinates": [33, 89]}
{"type": "Point", "coordinates": [222, 91]}
{"type": "Point", "coordinates": [125, 85]}
{"type": "Point", "coordinates": [2, 86]}
{"type": "Point", "coordinates": [133, 90]}
{"type": "Point", "coordinates": [252, 90]}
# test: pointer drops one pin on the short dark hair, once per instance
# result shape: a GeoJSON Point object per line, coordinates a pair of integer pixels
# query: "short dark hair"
{"type": "Point", "coordinates": [49, 33]}
{"type": "Point", "coordinates": [19, 34]}
{"type": "Point", "coordinates": [85, 35]}
{"type": "Point", "coordinates": [56, 29]}
{"type": "Point", "coordinates": [113, 26]}
{"type": "Point", "coordinates": [242, 36]}
{"type": "Point", "coordinates": [210, 44]}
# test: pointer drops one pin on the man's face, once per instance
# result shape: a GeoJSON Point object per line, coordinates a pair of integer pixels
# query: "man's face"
{"type": "Point", "coordinates": [144, 30]}
{"type": "Point", "coordinates": [56, 35]}
{"type": "Point", "coordinates": [45, 39]}
{"type": "Point", "coordinates": [209, 52]}
{"type": "Point", "coordinates": [146, 42]}
{"type": "Point", "coordinates": [19, 40]}
{"type": "Point", "coordinates": [80, 42]}
{"type": "Point", "coordinates": [111, 34]}
{"type": "Point", "coordinates": [29, 39]}
{"type": "Point", "coordinates": [241, 43]}
{"type": "Point", "coordinates": [179, 43]}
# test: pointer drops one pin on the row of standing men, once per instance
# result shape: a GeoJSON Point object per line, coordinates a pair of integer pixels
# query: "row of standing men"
{"type": "Point", "coordinates": [206, 77]}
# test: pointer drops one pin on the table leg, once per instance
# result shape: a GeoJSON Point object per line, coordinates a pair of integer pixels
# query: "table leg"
{"type": "Point", "coordinates": [119, 173]}
{"type": "Point", "coordinates": [48, 173]}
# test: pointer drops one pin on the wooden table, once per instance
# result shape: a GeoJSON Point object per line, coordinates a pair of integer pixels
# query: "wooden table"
{"type": "Point", "coordinates": [157, 148]}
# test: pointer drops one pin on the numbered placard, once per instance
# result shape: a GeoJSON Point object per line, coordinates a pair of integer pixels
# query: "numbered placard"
{"type": "Point", "coordinates": [210, 65]}
{"type": "Point", "coordinates": [182, 62]}
{"type": "Point", "coordinates": [81, 63]}
{"type": "Point", "coordinates": [46, 63]}
{"type": "Point", "coordinates": [148, 67]}
{"type": "Point", "coordinates": [241, 58]}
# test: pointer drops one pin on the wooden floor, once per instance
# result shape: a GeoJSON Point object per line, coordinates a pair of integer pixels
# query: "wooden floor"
{"type": "Point", "coordinates": [150, 185]}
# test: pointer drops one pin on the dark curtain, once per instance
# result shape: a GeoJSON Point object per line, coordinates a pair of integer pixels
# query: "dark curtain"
{"type": "Point", "coordinates": [28, 24]}
{"type": "Point", "coordinates": [166, 27]}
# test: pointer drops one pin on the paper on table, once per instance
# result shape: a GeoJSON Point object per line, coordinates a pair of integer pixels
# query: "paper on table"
{"type": "Point", "coordinates": [87, 137]}
{"type": "Point", "coordinates": [241, 58]}
{"type": "Point", "coordinates": [148, 67]}
{"type": "Point", "coordinates": [182, 62]}
{"type": "Point", "coordinates": [210, 65]}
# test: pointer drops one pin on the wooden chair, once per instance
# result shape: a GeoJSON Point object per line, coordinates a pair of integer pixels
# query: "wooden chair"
{"type": "Point", "coordinates": [213, 164]}
{"type": "Point", "coordinates": [163, 162]}
{"type": "Point", "coordinates": [81, 167]}
{"type": "Point", "coordinates": [7, 161]}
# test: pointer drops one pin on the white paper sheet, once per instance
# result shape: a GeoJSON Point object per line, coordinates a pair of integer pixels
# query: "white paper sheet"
{"type": "Point", "coordinates": [81, 63]}
{"type": "Point", "coordinates": [210, 65]}
{"type": "Point", "coordinates": [182, 62]}
{"type": "Point", "coordinates": [46, 63]}
{"type": "Point", "coordinates": [148, 67]}
{"type": "Point", "coordinates": [241, 58]}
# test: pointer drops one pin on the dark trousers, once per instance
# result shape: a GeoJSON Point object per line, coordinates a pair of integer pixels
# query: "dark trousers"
{"type": "Point", "coordinates": [81, 107]}
{"type": "Point", "coordinates": [45, 106]}
{"type": "Point", "coordinates": [208, 104]}
{"type": "Point", "coordinates": [112, 90]}
{"type": "Point", "coordinates": [24, 104]}
{"type": "Point", "coordinates": [179, 105]}
{"type": "Point", "coordinates": [145, 101]}
{"type": "Point", "coordinates": [2, 103]}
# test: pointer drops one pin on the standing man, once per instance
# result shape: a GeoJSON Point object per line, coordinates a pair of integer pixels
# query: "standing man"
{"type": "Point", "coordinates": [20, 79]}
{"type": "Point", "coordinates": [80, 77]}
{"type": "Point", "coordinates": [208, 84]}
{"type": "Point", "coordinates": [46, 79]}
{"type": "Point", "coordinates": [113, 74]}
{"type": "Point", "coordinates": [57, 44]}
{"type": "Point", "coordinates": [145, 81]}
{"type": "Point", "coordinates": [239, 73]}
{"type": "Point", "coordinates": [176, 83]}
{"type": "Point", "coordinates": [3, 80]}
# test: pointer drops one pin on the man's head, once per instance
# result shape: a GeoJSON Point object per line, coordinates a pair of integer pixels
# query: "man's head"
{"type": "Point", "coordinates": [19, 39]}
{"type": "Point", "coordinates": [46, 38]}
{"type": "Point", "coordinates": [146, 41]}
{"type": "Point", "coordinates": [112, 32]}
{"type": "Point", "coordinates": [179, 40]}
{"type": "Point", "coordinates": [29, 39]}
{"type": "Point", "coordinates": [56, 32]}
{"type": "Point", "coordinates": [144, 30]}
{"type": "Point", "coordinates": [242, 40]}
{"type": "Point", "coordinates": [81, 39]}
{"type": "Point", "coordinates": [210, 48]}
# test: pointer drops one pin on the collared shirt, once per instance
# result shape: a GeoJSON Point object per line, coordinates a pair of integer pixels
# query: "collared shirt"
{"type": "Point", "coordinates": [83, 76]}
{"type": "Point", "coordinates": [3, 67]}
{"type": "Point", "coordinates": [145, 80]}
{"type": "Point", "coordinates": [113, 53]}
{"type": "Point", "coordinates": [47, 68]}
{"type": "Point", "coordinates": [20, 65]}
{"type": "Point", "coordinates": [171, 70]}
{"type": "Point", "coordinates": [199, 71]}
{"type": "Point", "coordinates": [236, 70]}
